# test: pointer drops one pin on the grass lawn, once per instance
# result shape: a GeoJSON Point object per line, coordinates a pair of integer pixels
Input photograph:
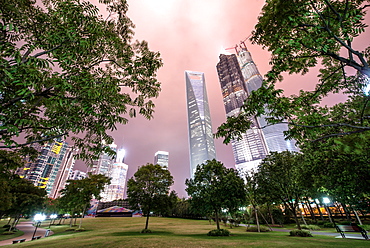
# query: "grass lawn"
{"type": "Point", "coordinates": [4, 237]}
{"type": "Point", "coordinates": [172, 232]}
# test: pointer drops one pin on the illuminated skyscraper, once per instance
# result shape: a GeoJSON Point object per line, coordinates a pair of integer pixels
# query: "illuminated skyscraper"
{"type": "Point", "coordinates": [161, 158]}
{"type": "Point", "coordinates": [201, 142]}
{"type": "Point", "coordinates": [238, 77]}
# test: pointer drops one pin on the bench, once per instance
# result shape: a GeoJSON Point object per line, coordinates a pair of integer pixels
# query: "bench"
{"type": "Point", "coordinates": [351, 228]}
{"type": "Point", "coordinates": [36, 237]}
{"type": "Point", "coordinates": [19, 240]}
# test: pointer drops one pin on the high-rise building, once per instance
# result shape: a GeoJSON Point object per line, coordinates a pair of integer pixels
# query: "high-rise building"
{"type": "Point", "coordinates": [161, 158]}
{"type": "Point", "coordinates": [44, 170]}
{"type": "Point", "coordinates": [63, 172]}
{"type": "Point", "coordinates": [77, 175]}
{"type": "Point", "coordinates": [104, 164]}
{"type": "Point", "coordinates": [201, 142]}
{"type": "Point", "coordinates": [118, 173]}
{"type": "Point", "coordinates": [238, 77]}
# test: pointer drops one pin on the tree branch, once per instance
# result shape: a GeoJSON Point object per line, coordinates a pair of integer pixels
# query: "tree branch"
{"type": "Point", "coordinates": [35, 141]}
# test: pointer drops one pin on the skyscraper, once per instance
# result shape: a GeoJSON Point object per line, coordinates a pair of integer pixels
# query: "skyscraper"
{"type": "Point", "coordinates": [201, 142]}
{"type": "Point", "coordinates": [238, 77]}
{"type": "Point", "coordinates": [44, 171]}
{"type": "Point", "coordinates": [161, 158]}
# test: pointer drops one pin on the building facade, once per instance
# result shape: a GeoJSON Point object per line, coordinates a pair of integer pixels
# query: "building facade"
{"type": "Point", "coordinates": [44, 171]}
{"type": "Point", "coordinates": [161, 158]}
{"type": "Point", "coordinates": [201, 141]}
{"type": "Point", "coordinates": [239, 76]}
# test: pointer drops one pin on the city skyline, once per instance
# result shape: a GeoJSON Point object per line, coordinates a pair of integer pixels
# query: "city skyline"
{"type": "Point", "coordinates": [191, 39]}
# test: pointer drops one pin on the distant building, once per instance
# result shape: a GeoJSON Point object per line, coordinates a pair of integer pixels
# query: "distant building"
{"type": "Point", "coordinates": [104, 164]}
{"type": "Point", "coordinates": [44, 170]}
{"type": "Point", "coordinates": [239, 76]}
{"type": "Point", "coordinates": [77, 175]}
{"type": "Point", "coordinates": [161, 158]}
{"type": "Point", "coordinates": [201, 142]}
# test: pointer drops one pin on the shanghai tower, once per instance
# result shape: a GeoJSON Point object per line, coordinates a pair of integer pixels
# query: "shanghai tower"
{"type": "Point", "coordinates": [239, 76]}
{"type": "Point", "coordinates": [201, 142]}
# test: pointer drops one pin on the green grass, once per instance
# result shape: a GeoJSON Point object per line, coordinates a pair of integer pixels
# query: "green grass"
{"type": "Point", "coordinates": [12, 236]}
{"type": "Point", "coordinates": [171, 232]}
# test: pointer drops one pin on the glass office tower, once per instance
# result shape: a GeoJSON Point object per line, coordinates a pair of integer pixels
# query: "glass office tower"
{"type": "Point", "coordinates": [201, 142]}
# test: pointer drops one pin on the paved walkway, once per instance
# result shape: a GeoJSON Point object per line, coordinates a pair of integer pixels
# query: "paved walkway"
{"type": "Point", "coordinates": [28, 230]}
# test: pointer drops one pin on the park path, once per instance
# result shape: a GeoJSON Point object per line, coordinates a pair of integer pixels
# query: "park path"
{"type": "Point", "coordinates": [28, 230]}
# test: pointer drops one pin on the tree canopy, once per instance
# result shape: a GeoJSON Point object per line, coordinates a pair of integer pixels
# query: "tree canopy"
{"type": "Point", "coordinates": [302, 34]}
{"type": "Point", "coordinates": [148, 189]}
{"type": "Point", "coordinates": [215, 187]}
{"type": "Point", "coordinates": [67, 70]}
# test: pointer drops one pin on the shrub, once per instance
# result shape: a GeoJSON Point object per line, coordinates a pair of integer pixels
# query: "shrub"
{"type": "Point", "coordinates": [146, 231]}
{"type": "Point", "coordinates": [80, 230]}
{"type": "Point", "coordinates": [219, 232]}
{"type": "Point", "coordinates": [6, 226]}
{"type": "Point", "coordinates": [310, 227]}
{"type": "Point", "coordinates": [300, 233]}
{"type": "Point", "coordinates": [365, 227]}
{"type": "Point", "coordinates": [328, 225]}
{"type": "Point", "coordinates": [321, 222]}
{"type": "Point", "coordinates": [255, 229]}
{"type": "Point", "coordinates": [8, 233]}
{"type": "Point", "coordinates": [70, 229]}
{"type": "Point", "coordinates": [346, 222]}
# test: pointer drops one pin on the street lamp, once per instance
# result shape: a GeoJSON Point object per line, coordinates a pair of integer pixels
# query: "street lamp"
{"type": "Point", "coordinates": [38, 219]}
{"type": "Point", "coordinates": [52, 218]}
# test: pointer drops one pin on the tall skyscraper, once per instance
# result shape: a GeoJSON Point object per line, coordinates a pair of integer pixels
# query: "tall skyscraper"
{"type": "Point", "coordinates": [201, 142]}
{"type": "Point", "coordinates": [238, 77]}
{"type": "Point", "coordinates": [161, 158]}
{"type": "Point", "coordinates": [44, 171]}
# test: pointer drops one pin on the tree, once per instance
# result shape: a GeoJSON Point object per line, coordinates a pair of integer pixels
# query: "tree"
{"type": "Point", "coordinates": [300, 34]}
{"type": "Point", "coordinates": [281, 177]}
{"type": "Point", "coordinates": [215, 187]}
{"type": "Point", "coordinates": [147, 188]}
{"type": "Point", "coordinates": [67, 70]}
{"type": "Point", "coordinates": [77, 194]}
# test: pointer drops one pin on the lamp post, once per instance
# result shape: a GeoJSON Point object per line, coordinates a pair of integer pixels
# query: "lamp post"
{"type": "Point", "coordinates": [38, 219]}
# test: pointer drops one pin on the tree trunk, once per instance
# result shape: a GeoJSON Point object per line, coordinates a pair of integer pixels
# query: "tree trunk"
{"type": "Point", "coordinates": [147, 219]}
{"type": "Point", "coordinates": [257, 221]}
{"type": "Point", "coordinates": [83, 213]}
{"type": "Point", "coordinates": [310, 210]}
{"type": "Point", "coordinates": [319, 210]}
{"type": "Point", "coordinates": [348, 214]}
{"type": "Point", "coordinates": [270, 213]}
{"type": "Point", "coordinates": [217, 220]}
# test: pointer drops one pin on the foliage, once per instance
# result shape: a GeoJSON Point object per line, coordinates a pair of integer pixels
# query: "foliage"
{"type": "Point", "coordinates": [77, 194]}
{"type": "Point", "coordinates": [215, 187]}
{"type": "Point", "coordinates": [255, 229]}
{"type": "Point", "coordinates": [147, 189]}
{"type": "Point", "coordinates": [283, 177]}
{"type": "Point", "coordinates": [146, 231]}
{"type": "Point", "coordinates": [300, 233]}
{"type": "Point", "coordinates": [328, 225]}
{"type": "Point", "coordinates": [219, 232]}
{"type": "Point", "coordinates": [310, 227]}
{"type": "Point", "coordinates": [67, 70]}
{"type": "Point", "coordinates": [300, 34]}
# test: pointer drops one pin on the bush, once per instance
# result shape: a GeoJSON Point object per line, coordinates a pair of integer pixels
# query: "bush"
{"type": "Point", "coordinates": [146, 231]}
{"type": "Point", "coordinates": [255, 229]}
{"type": "Point", "coordinates": [70, 229]}
{"type": "Point", "coordinates": [310, 227]}
{"type": "Point", "coordinates": [346, 222]}
{"type": "Point", "coordinates": [365, 227]}
{"type": "Point", "coordinates": [300, 233]}
{"type": "Point", "coordinates": [6, 226]}
{"type": "Point", "coordinates": [8, 233]}
{"type": "Point", "coordinates": [80, 230]}
{"type": "Point", "coordinates": [328, 225]}
{"type": "Point", "coordinates": [219, 232]}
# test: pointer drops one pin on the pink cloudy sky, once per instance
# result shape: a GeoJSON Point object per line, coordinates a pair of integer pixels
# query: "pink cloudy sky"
{"type": "Point", "coordinates": [189, 34]}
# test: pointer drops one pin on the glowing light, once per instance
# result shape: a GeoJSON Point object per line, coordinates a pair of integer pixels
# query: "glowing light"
{"type": "Point", "coordinates": [121, 153]}
{"type": "Point", "coordinates": [39, 217]}
{"type": "Point", "coordinates": [326, 200]}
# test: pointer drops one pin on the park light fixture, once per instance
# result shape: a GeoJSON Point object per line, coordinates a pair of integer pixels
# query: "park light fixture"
{"type": "Point", "coordinates": [52, 218]}
{"type": "Point", "coordinates": [38, 218]}
{"type": "Point", "coordinates": [326, 200]}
